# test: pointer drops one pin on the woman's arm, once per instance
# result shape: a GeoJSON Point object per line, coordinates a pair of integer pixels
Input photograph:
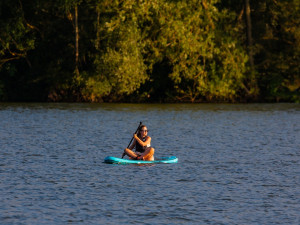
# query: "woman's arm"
{"type": "Point", "coordinates": [142, 143]}
{"type": "Point", "coordinates": [132, 145]}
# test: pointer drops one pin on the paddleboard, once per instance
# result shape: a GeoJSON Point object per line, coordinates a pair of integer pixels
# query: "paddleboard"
{"type": "Point", "coordinates": [114, 160]}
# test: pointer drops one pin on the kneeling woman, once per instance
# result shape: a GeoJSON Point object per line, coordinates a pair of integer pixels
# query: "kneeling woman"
{"type": "Point", "coordinates": [142, 144]}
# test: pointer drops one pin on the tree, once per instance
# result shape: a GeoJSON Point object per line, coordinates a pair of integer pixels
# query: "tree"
{"type": "Point", "coordinates": [278, 49]}
{"type": "Point", "coordinates": [159, 50]}
{"type": "Point", "coordinates": [17, 38]}
{"type": "Point", "coordinates": [119, 64]}
{"type": "Point", "coordinates": [17, 34]}
{"type": "Point", "coordinates": [72, 5]}
{"type": "Point", "coordinates": [207, 63]}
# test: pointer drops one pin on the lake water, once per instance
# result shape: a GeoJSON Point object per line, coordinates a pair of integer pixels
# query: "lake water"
{"type": "Point", "coordinates": [238, 164]}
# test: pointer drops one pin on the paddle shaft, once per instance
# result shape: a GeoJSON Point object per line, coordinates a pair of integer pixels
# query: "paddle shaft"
{"type": "Point", "coordinates": [132, 139]}
{"type": "Point", "coordinates": [135, 133]}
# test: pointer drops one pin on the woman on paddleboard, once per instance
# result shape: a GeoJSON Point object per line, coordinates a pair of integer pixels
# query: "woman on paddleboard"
{"type": "Point", "coordinates": [142, 144]}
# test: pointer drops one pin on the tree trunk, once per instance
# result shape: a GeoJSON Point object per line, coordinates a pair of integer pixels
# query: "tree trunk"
{"type": "Point", "coordinates": [253, 87]}
{"type": "Point", "coordinates": [76, 41]}
{"type": "Point", "coordinates": [98, 29]}
{"type": "Point", "coordinates": [249, 34]}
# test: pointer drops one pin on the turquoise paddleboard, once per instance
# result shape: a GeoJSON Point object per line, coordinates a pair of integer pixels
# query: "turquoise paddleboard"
{"type": "Point", "coordinates": [114, 160]}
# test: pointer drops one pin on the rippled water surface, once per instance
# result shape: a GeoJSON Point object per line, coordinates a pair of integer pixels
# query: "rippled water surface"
{"type": "Point", "coordinates": [238, 164]}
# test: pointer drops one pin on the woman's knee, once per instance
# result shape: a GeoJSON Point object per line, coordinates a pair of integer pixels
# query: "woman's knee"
{"type": "Point", "coordinates": [152, 151]}
{"type": "Point", "coordinates": [128, 151]}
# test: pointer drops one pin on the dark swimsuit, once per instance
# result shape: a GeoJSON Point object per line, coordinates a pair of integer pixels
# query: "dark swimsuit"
{"type": "Point", "coordinates": [138, 147]}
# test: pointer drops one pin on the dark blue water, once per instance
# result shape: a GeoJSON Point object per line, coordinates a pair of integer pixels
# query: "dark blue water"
{"type": "Point", "coordinates": [238, 164]}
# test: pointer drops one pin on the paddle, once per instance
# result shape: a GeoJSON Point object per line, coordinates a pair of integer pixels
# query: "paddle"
{"type": "Point", "coordinates": [132, 138]}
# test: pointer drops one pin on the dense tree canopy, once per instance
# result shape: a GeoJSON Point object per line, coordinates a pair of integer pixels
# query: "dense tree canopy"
{"type": "Point", "coordinates": [149, 51]}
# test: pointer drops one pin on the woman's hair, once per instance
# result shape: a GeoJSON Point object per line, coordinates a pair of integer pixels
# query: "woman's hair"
{"type": "Point", "coordinates": [141, 127]}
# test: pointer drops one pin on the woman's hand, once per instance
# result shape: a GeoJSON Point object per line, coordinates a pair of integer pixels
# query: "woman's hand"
{"type": "Point", "coordinates": [140, 157]}
{"type": "Point", "coordinates": [135, 136]}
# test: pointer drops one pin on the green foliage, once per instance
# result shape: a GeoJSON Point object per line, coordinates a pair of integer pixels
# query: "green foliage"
{"type": "Point", "coordinates": [119, 67]}
{"type": "Point", "coordinates": [276, 46]}
{"type": "Point", "coordinates": [17, 35]}
{"type": "Point", "coordinates": [279, 50]}
{"type": "Point", "coordinates": [157, 50]}
{"type": "Point", "coordinates": [207, 62]}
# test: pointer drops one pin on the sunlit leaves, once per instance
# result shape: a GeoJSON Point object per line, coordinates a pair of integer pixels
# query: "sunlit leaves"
{"type": "Point", "coordinates": [17, 35]}
{"type": "Point", "coordinates": [206, 62]}
{"type": "Point", "coordinates": [180, 50]}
